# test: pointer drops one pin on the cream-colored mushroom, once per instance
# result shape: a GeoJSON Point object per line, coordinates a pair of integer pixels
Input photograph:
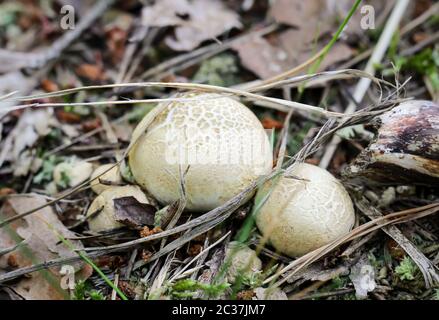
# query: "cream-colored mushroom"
{"type": "Point", "coordinates": [72, 172]}
{"type": "Point", "coordinates": [102, 207]}
{"type": "Point", "coordinates": [301, 215]}
{"type": "Point", "coordinates": [222, 140]}
{"type": "Point", "coordinates": [111, 176]}
{"type": "Point", "coordinates": [243, 261]}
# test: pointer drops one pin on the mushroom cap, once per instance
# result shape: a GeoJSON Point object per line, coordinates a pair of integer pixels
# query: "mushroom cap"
{"type": "Point", "coordinates": [104, 220]}
{"type": "Point", "coordinates": [302, 215]}
{"type": "Point", "coordinates": [221, 139]}
{"type": "Point", "coordinates": [243, 261]}
{"type": "Point", "coordinates": [76, 170]}
{"type": "Point", "coordinates": [112, 176]}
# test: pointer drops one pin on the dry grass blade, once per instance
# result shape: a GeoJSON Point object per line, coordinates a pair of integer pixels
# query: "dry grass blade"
{"type": "Point", "coordinates": [428, 269]}
{"type": "Point", "coordinates": [176, 85]}
{"type": "Point", "coordinates": [198, 256]}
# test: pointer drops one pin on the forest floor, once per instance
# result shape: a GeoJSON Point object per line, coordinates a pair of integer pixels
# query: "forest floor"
{"type": "Point", "coordinates": [245, 47]}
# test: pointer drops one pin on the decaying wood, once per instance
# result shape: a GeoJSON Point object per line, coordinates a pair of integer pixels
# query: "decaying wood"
{"type": "Point", "coordinates": [406, 149]}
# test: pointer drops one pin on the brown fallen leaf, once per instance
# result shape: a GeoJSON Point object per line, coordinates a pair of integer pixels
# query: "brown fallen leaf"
{"type": "Point", "coordinates": [266, 60]}
{"type": "Point", "coordinates": [92, 72]}
{"type": "Point", "coordinates": [311, 15]}
{"type": "Point", "coordinates": [116, 39]}
{"type": "Point", "coordinates": [320, 16]}
{"type": "Point", "coordinates": [48, 85]}
{"type": "Point", "coordinates": [270, 123]}
{"type": "Point", "coordinates": [67, 117]}
{"type": "Point", "coordinates": [133, 213]}
{"type": "Point", "coordinates": [39, 244]}
{"type": "Point", "coordinates": [91, 124]}
{"type": "Point", "coordinates": [195, 21]}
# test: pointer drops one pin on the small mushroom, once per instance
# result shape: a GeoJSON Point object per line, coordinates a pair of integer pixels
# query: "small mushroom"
{"type": "Point", "coordinates": [72, 172]}
{"type": "Point", "coordinates": [406, 148]}
{"type": "Point", "coordinates": [306, 209]}
{"type": "Point", "coordinates": [102, 212]}
{"type": "Point", "coordinates": [243, 261]}
{"type": "Point", "coordinates": [112, 176]}
{"type": "Point", "coordinates": [220, 139]}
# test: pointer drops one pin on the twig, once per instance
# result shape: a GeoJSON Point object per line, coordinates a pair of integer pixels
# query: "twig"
{"type": "Point", "coordinates": [364, 83]}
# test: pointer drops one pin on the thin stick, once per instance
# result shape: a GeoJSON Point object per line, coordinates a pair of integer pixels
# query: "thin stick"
{"type": "Point", "coordinates": [364, 83]}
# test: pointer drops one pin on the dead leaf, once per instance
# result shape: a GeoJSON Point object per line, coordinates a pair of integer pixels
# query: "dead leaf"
{"type": "Point", "coordinates": [133, 213]}
{"type": "Point", "coordinates": [165, 13]}
{"type": "Point", "coordinates": [48, 85]}
{"type": "Point", "coordinates": [116, 39]}
{"type": "Point", "coordinates": [31, 125]}
{"type": "Point", "coordinates": [92, 72]}
{"type": "Point", "coordinates": [195, 21]}
{"type": "Point", "coordinates": [293, 48]}
{"type": "Point", "coordinates": [68, 117]}
{"type": "Point", "coordinates": [91, 124]}
{"type": "Point", "coordinates": [40, 244]}
{"type": "Point", "coordinates": [320, 16]}
{"type": "Point", "coordinates": [270, 123]}
{"type": "Point", "coordinates": [262, 58]}
{"type": "Point", "coordinates": [311, 15]}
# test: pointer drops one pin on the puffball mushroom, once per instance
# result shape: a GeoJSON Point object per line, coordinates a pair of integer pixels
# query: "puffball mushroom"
{"type": "Point", "coordinates": [221, 140]}
{"type": "Point", "coordinates": [111, 176]}
{"type": "Point", "coordinates": [306, 209]}
{"type": "Point", "coordinates": [102, 207]}
{"type": "Point", "coordinates": [71, 173]}
{"type": "Point", "coordinates": [406, 148]}
{"type": "Point", "coordinates": [243, 261]}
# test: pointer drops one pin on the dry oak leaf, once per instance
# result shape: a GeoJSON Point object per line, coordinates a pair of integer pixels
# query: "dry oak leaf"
{"type": "Point", "coordinates": [40, 244]}
{"type": "Point", "coordinates": [267, 60]}
{"type": "Point", "coordinates": [195, 21]}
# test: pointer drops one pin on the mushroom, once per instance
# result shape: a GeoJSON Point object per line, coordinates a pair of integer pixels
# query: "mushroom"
{"type": "Point", "coordinates": [72, 172]}
{"type": "Point", "coordinates": [305, 210]}
{"type": "Point", "coordinates": [406, 148]}
{"type": "Point", "coordinates": [243, 261]}
{"type": "Point", "coordinates": [112, 176]}
{"type": "Point", "coordinates": [218, 138]}
{"type": "Point", "coordinates": [101, 212]}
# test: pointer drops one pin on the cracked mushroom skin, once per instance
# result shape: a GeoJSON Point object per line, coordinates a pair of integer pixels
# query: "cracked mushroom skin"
{"type": "Point", "coordinates": [112, 176]}
{"type": "Point", "coordinates": [405, 150]}
{"type": "Point", "coordinates": [104, 220]}
{"type": "Point", "coordinates": [220, 139]}
{"type": "Point", "coordinates": [301, 215]}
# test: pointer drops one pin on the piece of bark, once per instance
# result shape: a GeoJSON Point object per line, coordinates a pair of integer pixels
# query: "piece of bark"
{"type": "Point", "coordinates": [406, 149]}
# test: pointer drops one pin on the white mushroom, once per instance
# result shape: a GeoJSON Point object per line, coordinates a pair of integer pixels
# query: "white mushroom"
{"type": "Point", "coordinates": [243, 261]}
{"type": "Point", "coordinates": [71, 173]}
{"type": "Point", "coordinates": [102, 207]}
{"type": "Point", "coordinates": [111, 176]}
{"type": "Point", "coordinates": [301, 215]}
{"type": "Point", "coordinates": [221, 139]}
